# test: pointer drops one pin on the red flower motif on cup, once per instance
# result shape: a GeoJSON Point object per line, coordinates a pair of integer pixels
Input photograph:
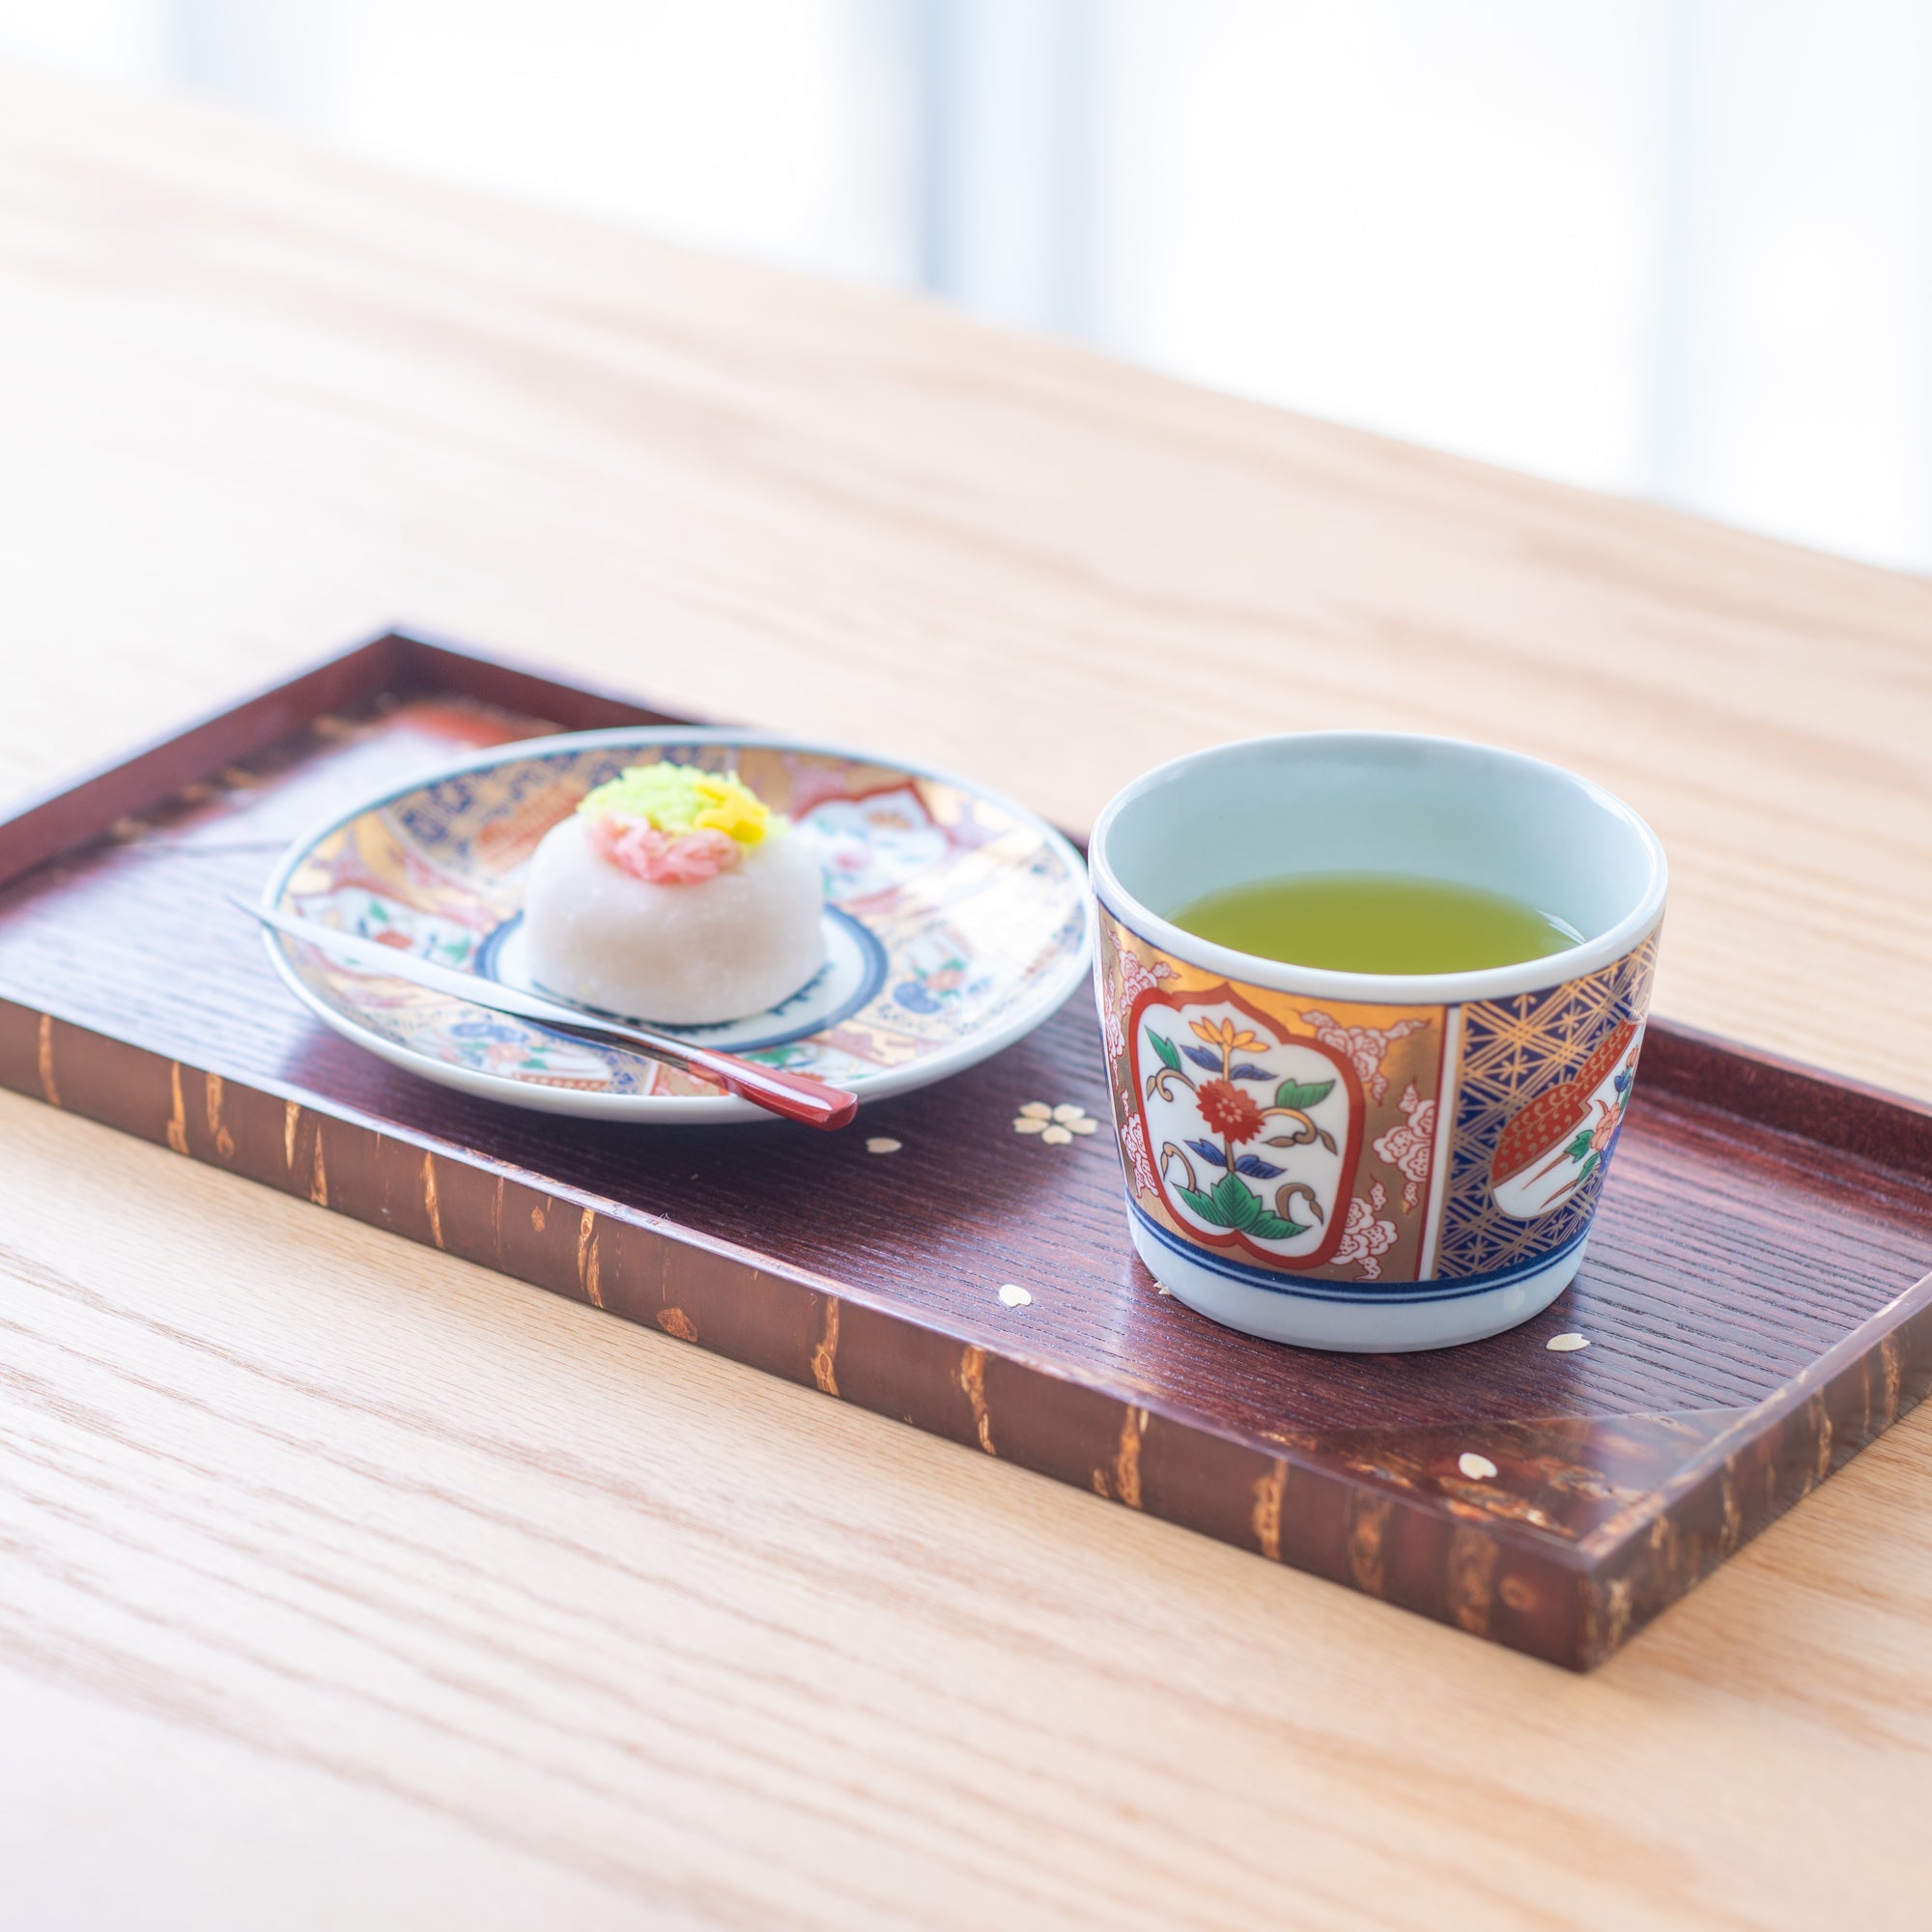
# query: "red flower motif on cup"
{"type": "Point", "coordinates": [1367, 1237]}
{"type": "Point", "coordinates": [1408, 1145]}
{"type": "Point", "coordinates": [1228, 1111]}
{"type": "Point", "coordinates": [1365, 1046]}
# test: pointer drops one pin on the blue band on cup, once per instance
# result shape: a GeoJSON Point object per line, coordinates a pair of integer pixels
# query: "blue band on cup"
{"type": "Point", "coordinates": [1310, 1289]}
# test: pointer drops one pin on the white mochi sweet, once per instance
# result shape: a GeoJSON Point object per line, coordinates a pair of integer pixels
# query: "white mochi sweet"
{"type": "Point", "coordinates": [687, 954]}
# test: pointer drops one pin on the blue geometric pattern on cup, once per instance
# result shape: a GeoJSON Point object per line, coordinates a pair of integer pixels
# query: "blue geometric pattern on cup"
{"type": "Point", "coordinates": [1512, 1050]}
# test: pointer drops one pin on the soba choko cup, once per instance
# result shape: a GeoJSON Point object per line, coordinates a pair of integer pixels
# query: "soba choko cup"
{"type": "Point", "coordinates": [1365, 1160]}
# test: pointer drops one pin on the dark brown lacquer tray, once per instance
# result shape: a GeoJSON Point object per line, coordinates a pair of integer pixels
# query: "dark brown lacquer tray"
{"type": "Point", "coordinates": [1755, 1300]}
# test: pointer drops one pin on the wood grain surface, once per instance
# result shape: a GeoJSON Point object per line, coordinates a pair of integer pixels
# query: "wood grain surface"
{"type": "Point", "coordinates": [341, 1583]}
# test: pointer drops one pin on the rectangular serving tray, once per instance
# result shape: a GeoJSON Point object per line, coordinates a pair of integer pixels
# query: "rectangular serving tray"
{"type": "Point", "coordinates": [1755, 1300]}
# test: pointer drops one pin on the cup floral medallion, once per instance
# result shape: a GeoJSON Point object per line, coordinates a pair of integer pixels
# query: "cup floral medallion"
{"type": "Point", "coordinates": [1254, 1135]}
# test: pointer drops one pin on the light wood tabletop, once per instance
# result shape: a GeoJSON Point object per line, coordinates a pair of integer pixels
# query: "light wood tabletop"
{"type": "Point", "coordinates": [344, 1583]}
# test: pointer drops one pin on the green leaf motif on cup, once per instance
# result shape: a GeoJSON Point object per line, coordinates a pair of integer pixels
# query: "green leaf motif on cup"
{"type": "Point", "coordinates": [1272, 1228]}
{"type": "Point", "coordinates": [1302, 1099]}
{"type": "Point", "coordinates": [1237, 1206]}
{"type": "Point", "coordinates": [1202, 1204]}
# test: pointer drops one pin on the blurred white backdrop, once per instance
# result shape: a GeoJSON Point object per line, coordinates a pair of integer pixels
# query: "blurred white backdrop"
{"type": "Point", "coordinates": [1675, 248]}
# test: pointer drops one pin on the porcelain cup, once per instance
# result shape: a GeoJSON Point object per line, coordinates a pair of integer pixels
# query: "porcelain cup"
{"type": "Point", "coordinates": [1357, 1160]}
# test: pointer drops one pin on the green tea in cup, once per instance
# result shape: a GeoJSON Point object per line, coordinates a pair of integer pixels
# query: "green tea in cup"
{"type": "Point", "coordinates": [1376, 923]}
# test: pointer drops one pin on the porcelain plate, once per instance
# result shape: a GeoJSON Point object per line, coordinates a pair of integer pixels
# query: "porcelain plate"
{"type": "Point", "coordinates": [957, 922]}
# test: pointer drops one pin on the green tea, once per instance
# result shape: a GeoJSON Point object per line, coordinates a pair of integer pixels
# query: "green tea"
{"type": "Point", "coordinates": [1376, 923]}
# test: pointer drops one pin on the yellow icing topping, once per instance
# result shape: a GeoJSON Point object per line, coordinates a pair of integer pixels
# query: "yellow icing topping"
{"type": "Point", "coordinates": [678, 799]}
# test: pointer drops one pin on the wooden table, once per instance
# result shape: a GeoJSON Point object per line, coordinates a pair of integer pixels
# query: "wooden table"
{"type": "Point", "coordinates": [344, 1583]}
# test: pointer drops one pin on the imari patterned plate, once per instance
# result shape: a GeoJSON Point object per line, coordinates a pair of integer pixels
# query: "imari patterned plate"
{"type": "Point", "coordinates": [955, 922]}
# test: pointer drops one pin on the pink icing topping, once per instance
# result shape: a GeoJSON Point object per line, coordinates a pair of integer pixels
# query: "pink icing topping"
{"type": "Point", "coordinates": [662, 858]}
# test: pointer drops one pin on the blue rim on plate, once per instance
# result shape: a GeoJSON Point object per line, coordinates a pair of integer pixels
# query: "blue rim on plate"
{"type": "Point", "coordinates": [855, 968]}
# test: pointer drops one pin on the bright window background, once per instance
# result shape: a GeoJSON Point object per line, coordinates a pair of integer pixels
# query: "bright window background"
{"type": "Point", "coordinates": [1674, 248]}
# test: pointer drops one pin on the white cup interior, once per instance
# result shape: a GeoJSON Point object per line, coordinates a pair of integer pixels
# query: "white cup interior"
{"type": "Point", "coordinates": [1375, 801]}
